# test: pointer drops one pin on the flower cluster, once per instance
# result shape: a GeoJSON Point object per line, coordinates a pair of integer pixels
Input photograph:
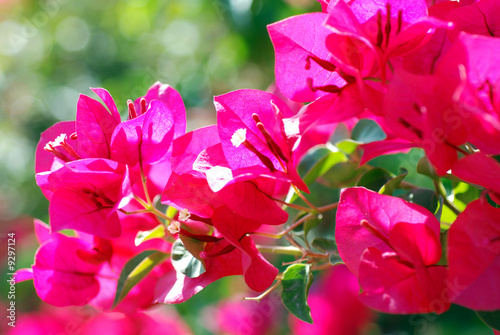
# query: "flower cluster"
{"type": "Point", "coordinates": [427, 75]}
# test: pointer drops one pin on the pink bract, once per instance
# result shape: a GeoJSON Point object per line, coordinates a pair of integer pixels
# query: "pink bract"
{"type": "Point", "coordinates": [296, 52]}
{"type": "Point", "coordinates": [382, 212]}
{"type": "Point", "coordinates": [392, 246]}
{"type": "Point", "coordinates": [95, 124]}
{"type": "Point", "coordinates": [253, 118]}
{"type": "Point", "coordinates": [86, 196]}
{"type": "Point", "coordinates": [60, 276]}
{"type": "Point", "coordinates": [145, 139]}
{"type": "Point", "coordinates": [172, 99]}
{"type": "Point", "coordinates": [474, 257]}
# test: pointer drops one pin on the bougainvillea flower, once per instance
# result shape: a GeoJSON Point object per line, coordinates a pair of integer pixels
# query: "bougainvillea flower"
{"type": "Point", "coordinates": [145, 139]}
{"type": "Point", "coordinates": [368, 33]}
{"type": "Point", "coordinates": [86, 196]}
{"type": "Point", "coordinates": [95, 124]}
{"type": "Point", "coordinates": [407, 280]}
{"type": "Point", "coordinates": [59, 152]}
{"type": "Point", "coordinates": [330, 109]}
{"type": "Point", "coordinates": [474, 257]}
{"type": "Point", "coordinates": [392, 246]}
{"type": "Point", "coordinates": [61, 276]}
{"type": "Point", "coordinates": [382, 212]}
{"type": "Point", "coordinates": [170, 97]}
{"type": "Point", "coordinates": [258, 272]}
{"type": "Point", "coordinates": [335, 306]}
{"type": "Point", "coordinates": [253, 135]}
{"type": "Point", "coordinates": [234, 210]}
{"type": "Point", "coordinates": [302, 57]}
{"type": "Point", "coordinates": [195, 156]}
{"type": "Point", "coordinates": [160, 117]}
{"type": "Point", "coordinates": [84, 269]}
{"type": "Point", "coordinates": [421, 109]}
{"type": "Point", "coordinates": [477, 96]}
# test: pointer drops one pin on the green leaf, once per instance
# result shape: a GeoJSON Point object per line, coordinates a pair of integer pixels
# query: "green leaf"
{"type": "Point", "coordinates": [136, 269]}
{"type": "Point", "coordinates": [313, 156]}
{"type": "Point", "coordinates": [348, 146]}
{"type": "Point", "coordinates": [297, 280]}
{"type": "Point", "coordinates": [325, 245]}
{"type": "Point", "coordinates": [321, 166]}
{"type": "Point", "coordinates": [426, 198]}
{"type": "Point", "coordinates": [492, 318]}
{"type": "Point", "coordinates": [171, 211]}
{"type": "Point", "coordinates": [342, 173]}
{"type": "Point", "coordinates": [311, 224]}
{"type": "Point", "coordinates": [184, 262]}
{"type": "Point", "coordinates": [143, 236]}
{"type": "Point", "coordinates": [341, 133]}
{"type": "Point", "coordinates": [393, 184]}
{"type": "Point", "coordinates": [335, 259]}
{"type": "Point", "coordinates": [366, 131]}
{"type": "Point", "coordinates": [425, 168]}
{"type": "Point", "coordinates": [374, 179]}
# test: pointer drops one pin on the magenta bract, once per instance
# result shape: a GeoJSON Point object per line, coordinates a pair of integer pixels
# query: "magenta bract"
{"type": "Point", "coordinates": [86, 196]}
{"type": "Point", "coordinates": [392, 246]}
{"type": "Point", "coordinates": [474, 257]}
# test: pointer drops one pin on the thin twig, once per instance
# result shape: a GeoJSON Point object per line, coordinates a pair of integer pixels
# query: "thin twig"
{"type": "Point", "coordinates": [440, 190]}
{"type": "Point", "coordinates": [279, 278]}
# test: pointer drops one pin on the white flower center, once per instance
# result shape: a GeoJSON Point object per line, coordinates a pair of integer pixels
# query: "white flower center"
{"type": "Point", "coordinates": [239, 137]}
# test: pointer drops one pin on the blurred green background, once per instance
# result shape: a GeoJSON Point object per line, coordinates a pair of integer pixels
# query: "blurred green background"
{"type": "Point", "coordinates": [51, 51]}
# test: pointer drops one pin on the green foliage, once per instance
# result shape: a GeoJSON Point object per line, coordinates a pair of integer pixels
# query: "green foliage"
{"type": "Point", "coordinates": [143, 236]}
{"type": "Point", "coordinates": [492, 319]}
{"type": "Point", "coordinates": [374, 179]}
{"type": "Point", "coordinates": [297, 280]}
{"type": "Point", "coordinates": [184, 262]}
{"type": "Point", "coordinates": [425, 168]}
{"type": "Point", "coordinates": [135, 270]}
{"type": "Point", "coordinates": [392, 185]}
{"type": "Point", "coordinates": [324, 245]}
{"type": "Point", "coordinates": [367, 131]}
{"type": "Point", "coordinates": [427, 199]}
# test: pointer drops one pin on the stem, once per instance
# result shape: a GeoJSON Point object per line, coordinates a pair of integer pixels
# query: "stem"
{"type": "Point", "coordinates": [298, 223]}
{"type": "Point", "coordinates": [284, 232]}
{"type": "Point", "coordinates": [328, 207]}
{"type": "Point", "coordinates": [280, 250]}
{"type": "Point", "coordinates": [149, 208]}
{"type": "Point", "coordinates": [279, 278]}
{"type": "Point", "coordinates": [142, 202]}
{"type": "Point", "coordinates": [134, 212]}
{"type": "Point", "coordinates": [304, 198]}
{"type": "Point", "coordinates": [273, 236]}
{"type": "Point", "coordinates": [321, 267]}
{"type": "Point", "coordinates": [300, 208]}
{"type": "Point", "coordinates": [160, 214]}
{"type": "Point", "coordinates": [144, 184]}
{"type": "Point", "coordinates": [438, 185]}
